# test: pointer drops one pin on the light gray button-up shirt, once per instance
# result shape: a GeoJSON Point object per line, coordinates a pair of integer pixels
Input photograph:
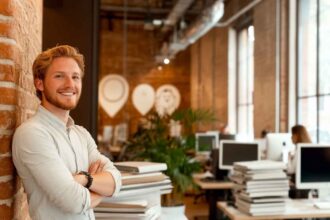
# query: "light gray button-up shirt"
{"type": "Point", "coordinates": [46, 154]}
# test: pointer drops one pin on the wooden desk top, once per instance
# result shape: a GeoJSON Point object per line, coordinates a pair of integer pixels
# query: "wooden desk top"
{"type": "Point", "coordinates": [213, 185]}
{"type": "Point", "coordinates": [301, 208]}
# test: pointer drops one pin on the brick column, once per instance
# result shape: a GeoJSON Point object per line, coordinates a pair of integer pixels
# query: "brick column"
{"type": "Point", "coordinates": [20, 42]}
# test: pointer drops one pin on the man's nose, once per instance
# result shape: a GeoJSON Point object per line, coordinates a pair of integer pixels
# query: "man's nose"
{"type": "Point", "coordinates": [69, 82]}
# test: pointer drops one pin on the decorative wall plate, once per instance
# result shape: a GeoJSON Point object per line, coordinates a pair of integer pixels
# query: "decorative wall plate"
{"type": "Point", "coordinates": [113, 93]}
{"type": "Point", "coordinates": [167, 99]}
{"type": "Point", "coordinates": [143, 98]}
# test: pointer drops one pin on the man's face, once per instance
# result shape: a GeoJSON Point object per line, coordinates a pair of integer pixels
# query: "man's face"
{"type": "Point", "coordinates": [61, 87]}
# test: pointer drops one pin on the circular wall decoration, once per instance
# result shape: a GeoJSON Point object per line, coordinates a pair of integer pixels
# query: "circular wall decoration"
{"type": "Point", "coordinates": [143, 98]}
{"type": "Point", "coordinates": [167, 99]}
{"type": "Point", "coordinates": [113, 93]}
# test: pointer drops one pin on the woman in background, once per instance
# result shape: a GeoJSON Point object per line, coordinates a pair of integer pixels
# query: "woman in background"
{"type": "Point", "coordinates": [299, 135]}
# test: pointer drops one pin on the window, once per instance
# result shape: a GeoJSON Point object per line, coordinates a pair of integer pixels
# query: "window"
{"type": "Point", "coordinates": [245, 81]}
{"type": "Point", "coordinates": [313, 68]}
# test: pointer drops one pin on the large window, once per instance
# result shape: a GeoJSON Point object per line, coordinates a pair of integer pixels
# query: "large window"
{"type": "Point", "coordinates": [313, 85]}
{"type": "Point", "coordinates": [245, 81]}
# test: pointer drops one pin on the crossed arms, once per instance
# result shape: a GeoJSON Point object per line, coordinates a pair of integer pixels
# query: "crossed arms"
{"type": "Point", "coordinates": [101, 182]}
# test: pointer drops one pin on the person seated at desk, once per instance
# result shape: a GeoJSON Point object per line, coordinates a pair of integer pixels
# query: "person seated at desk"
{"type": "Point", "coordinates": [299, 135]}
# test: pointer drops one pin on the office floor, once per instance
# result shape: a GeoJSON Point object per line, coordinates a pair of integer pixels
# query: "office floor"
{"type": "Point", "coordinates": [198, 211]}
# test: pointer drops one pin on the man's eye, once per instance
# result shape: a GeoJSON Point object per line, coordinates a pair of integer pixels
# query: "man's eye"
{"type": "Point", "coordinates": [58, 76]}
{"type": "Point", "coordinates": [76, 77]}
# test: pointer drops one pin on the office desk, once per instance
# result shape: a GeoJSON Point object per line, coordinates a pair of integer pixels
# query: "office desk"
{"type": "Point", "coordinates": [298, 208]}
{"type": "Point", "coordinates": [213, 185]}
{"type": "Point", "coordinates": [214, 190]}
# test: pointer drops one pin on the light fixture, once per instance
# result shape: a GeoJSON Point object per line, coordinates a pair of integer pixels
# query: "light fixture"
{"type": "Point", "coordinates": [160, 68]}
{"type": "Point", "coordinates": [166, 61]}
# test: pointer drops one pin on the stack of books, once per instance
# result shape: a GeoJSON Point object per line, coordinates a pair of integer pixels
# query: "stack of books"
{"type": "Point", "coordinates": [261, 187]}
{"type": "Point", "coordinates": [134, 209]}
{"type": "Point", "coordinates": [143, 183]}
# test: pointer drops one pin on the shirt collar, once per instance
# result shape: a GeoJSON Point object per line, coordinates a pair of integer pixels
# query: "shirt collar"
{"type": "Point", "coordinates": [50, 117]}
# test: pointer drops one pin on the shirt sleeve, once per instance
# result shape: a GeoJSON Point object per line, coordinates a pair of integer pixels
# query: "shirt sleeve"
{"type": "Point", "coordinates": [35, 149]}
{"type": "Point", "coordinates": [94, 155]}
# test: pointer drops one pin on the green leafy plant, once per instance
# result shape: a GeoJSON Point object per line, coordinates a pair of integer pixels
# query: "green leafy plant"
{"type": "Point", "coordinates": [153, 142]}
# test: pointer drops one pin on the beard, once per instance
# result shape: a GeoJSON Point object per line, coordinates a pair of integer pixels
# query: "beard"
{"type": "Point", "coordinates": [60, 104]}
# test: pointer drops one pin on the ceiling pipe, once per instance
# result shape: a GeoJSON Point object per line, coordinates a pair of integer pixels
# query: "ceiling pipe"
{"type": "Point", "coordinates": [206, 21]}
{"type": "Point", "coordinates": [238, 14]}
{"type": "Point", "coordinates": [178, 10]}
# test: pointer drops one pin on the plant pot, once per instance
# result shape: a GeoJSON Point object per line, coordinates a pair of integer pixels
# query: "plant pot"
{"type": "Point", "coordinates": [173, 212]}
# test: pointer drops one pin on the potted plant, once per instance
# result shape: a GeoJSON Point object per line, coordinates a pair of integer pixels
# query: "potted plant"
{"type": "Point", "coordinates": [153, 142]}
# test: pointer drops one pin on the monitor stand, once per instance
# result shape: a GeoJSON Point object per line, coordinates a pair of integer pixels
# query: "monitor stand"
{"type": "Point", "coordinates": [221, 175]}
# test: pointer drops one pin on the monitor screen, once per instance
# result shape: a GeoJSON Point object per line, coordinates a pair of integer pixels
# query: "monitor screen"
{"type": "Point", "coordinates": [227, 137]}
{"type": "Point", "coordinates": [205, 142]}
{"type": "Point", "coordinates": [278, 146]}
{"type": "Point", "coordinates": [312, 170]}
{"type": "Point", "coordinates": [233, 151]}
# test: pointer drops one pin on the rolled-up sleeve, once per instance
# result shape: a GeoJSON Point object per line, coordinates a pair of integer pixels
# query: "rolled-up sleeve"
{"type": "Point", "coordinates": [94, 155]}
{"type": "Point", "coordinates": [34, 149]}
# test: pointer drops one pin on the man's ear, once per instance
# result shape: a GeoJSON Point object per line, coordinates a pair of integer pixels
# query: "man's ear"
{"type": "Point", "coordinates": [39, 84]}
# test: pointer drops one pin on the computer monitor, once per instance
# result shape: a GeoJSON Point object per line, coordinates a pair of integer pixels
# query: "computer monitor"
{"type": "Point", "coordinates": [205, 142]}
{"type": "Point", "coordinates": [227, 137]}
{"type": "Point", "coordinates": [234, 151]}
{"type": "Point", "coordinates": [278, 146]}
{"type": "Point", "coordinates": [217, 135]}
{"type": "Point", "coordinates": [313, 168]}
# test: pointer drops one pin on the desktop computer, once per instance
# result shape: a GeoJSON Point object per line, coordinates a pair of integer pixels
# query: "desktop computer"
{"type": "Point", "coordinates": [234, 151]}
{"type": "Point", "coordinates": [312, 171]}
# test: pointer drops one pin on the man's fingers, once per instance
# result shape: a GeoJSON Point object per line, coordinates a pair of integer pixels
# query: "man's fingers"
{"type": "Point", "coordinates": [94, 166]}
{"type": "Point", "coordinates": [100, 168]}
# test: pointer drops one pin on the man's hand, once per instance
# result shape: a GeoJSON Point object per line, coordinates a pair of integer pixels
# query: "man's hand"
{"type": "Point", "coordinates": [96, 167]}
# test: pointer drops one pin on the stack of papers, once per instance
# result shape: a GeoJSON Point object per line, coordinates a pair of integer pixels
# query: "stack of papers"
{"type": "Point", "coordinates": [143, 183]}
{"type": "Point", "coordinates": [261, 187]}
{"type": "Point", "coordinates": [138, 209]}
{"type": "Point", "coordinates": [143, 176]}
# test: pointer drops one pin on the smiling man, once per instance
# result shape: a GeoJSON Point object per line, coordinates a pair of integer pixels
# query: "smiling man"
{"type": "Point", "coordinates": [62, 171]}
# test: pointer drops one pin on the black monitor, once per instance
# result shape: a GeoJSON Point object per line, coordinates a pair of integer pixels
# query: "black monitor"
{"type": "Point", "coordinates": [234, 151]}
{"type": "Point", "coordinates": [313, 166]}
{"type": "Point", "coordinates": [227, 137]}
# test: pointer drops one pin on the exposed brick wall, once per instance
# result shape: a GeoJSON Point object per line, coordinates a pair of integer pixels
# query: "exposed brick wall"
{"type": "Point", "coordinates": [142, 47]}
{"type": "Point", "coordinates": [20, 41]}
{"type": "Point", "coordinates": [209, 79]}
{"type": "Point", "coordinates": [264, 62]}
{"type": "Point", "coordinates": [209, 75]}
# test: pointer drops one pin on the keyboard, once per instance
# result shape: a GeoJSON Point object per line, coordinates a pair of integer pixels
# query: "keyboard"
{"type": "Point", "coordinates": [322, 205]}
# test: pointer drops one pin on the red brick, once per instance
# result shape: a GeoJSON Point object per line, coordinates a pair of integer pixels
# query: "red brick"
{"type": "Point", "coordinates": [8, 96]}
{"type": "Point", "coordinates": [7, 51]}
{"type": "Point", "coordinates": [6, 166]}
{"type": "Point", "coordinates": [7, 73]}
{"type": "Point", "coordinates": [7, 190]}
{"type": "Point", "coordinates": [6, 211]}
{"type": "Point", "coordinates": [6, 8]}
{"type": "Point", "coordinates": [5, 144]}
{"type": "Point", "coordinates": [7, 30]}
{"type": "Point", "coordinates": [7, 119]}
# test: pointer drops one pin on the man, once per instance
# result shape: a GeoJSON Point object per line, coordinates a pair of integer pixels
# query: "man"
{"type": "Point", "coordinates": [63, 173]}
